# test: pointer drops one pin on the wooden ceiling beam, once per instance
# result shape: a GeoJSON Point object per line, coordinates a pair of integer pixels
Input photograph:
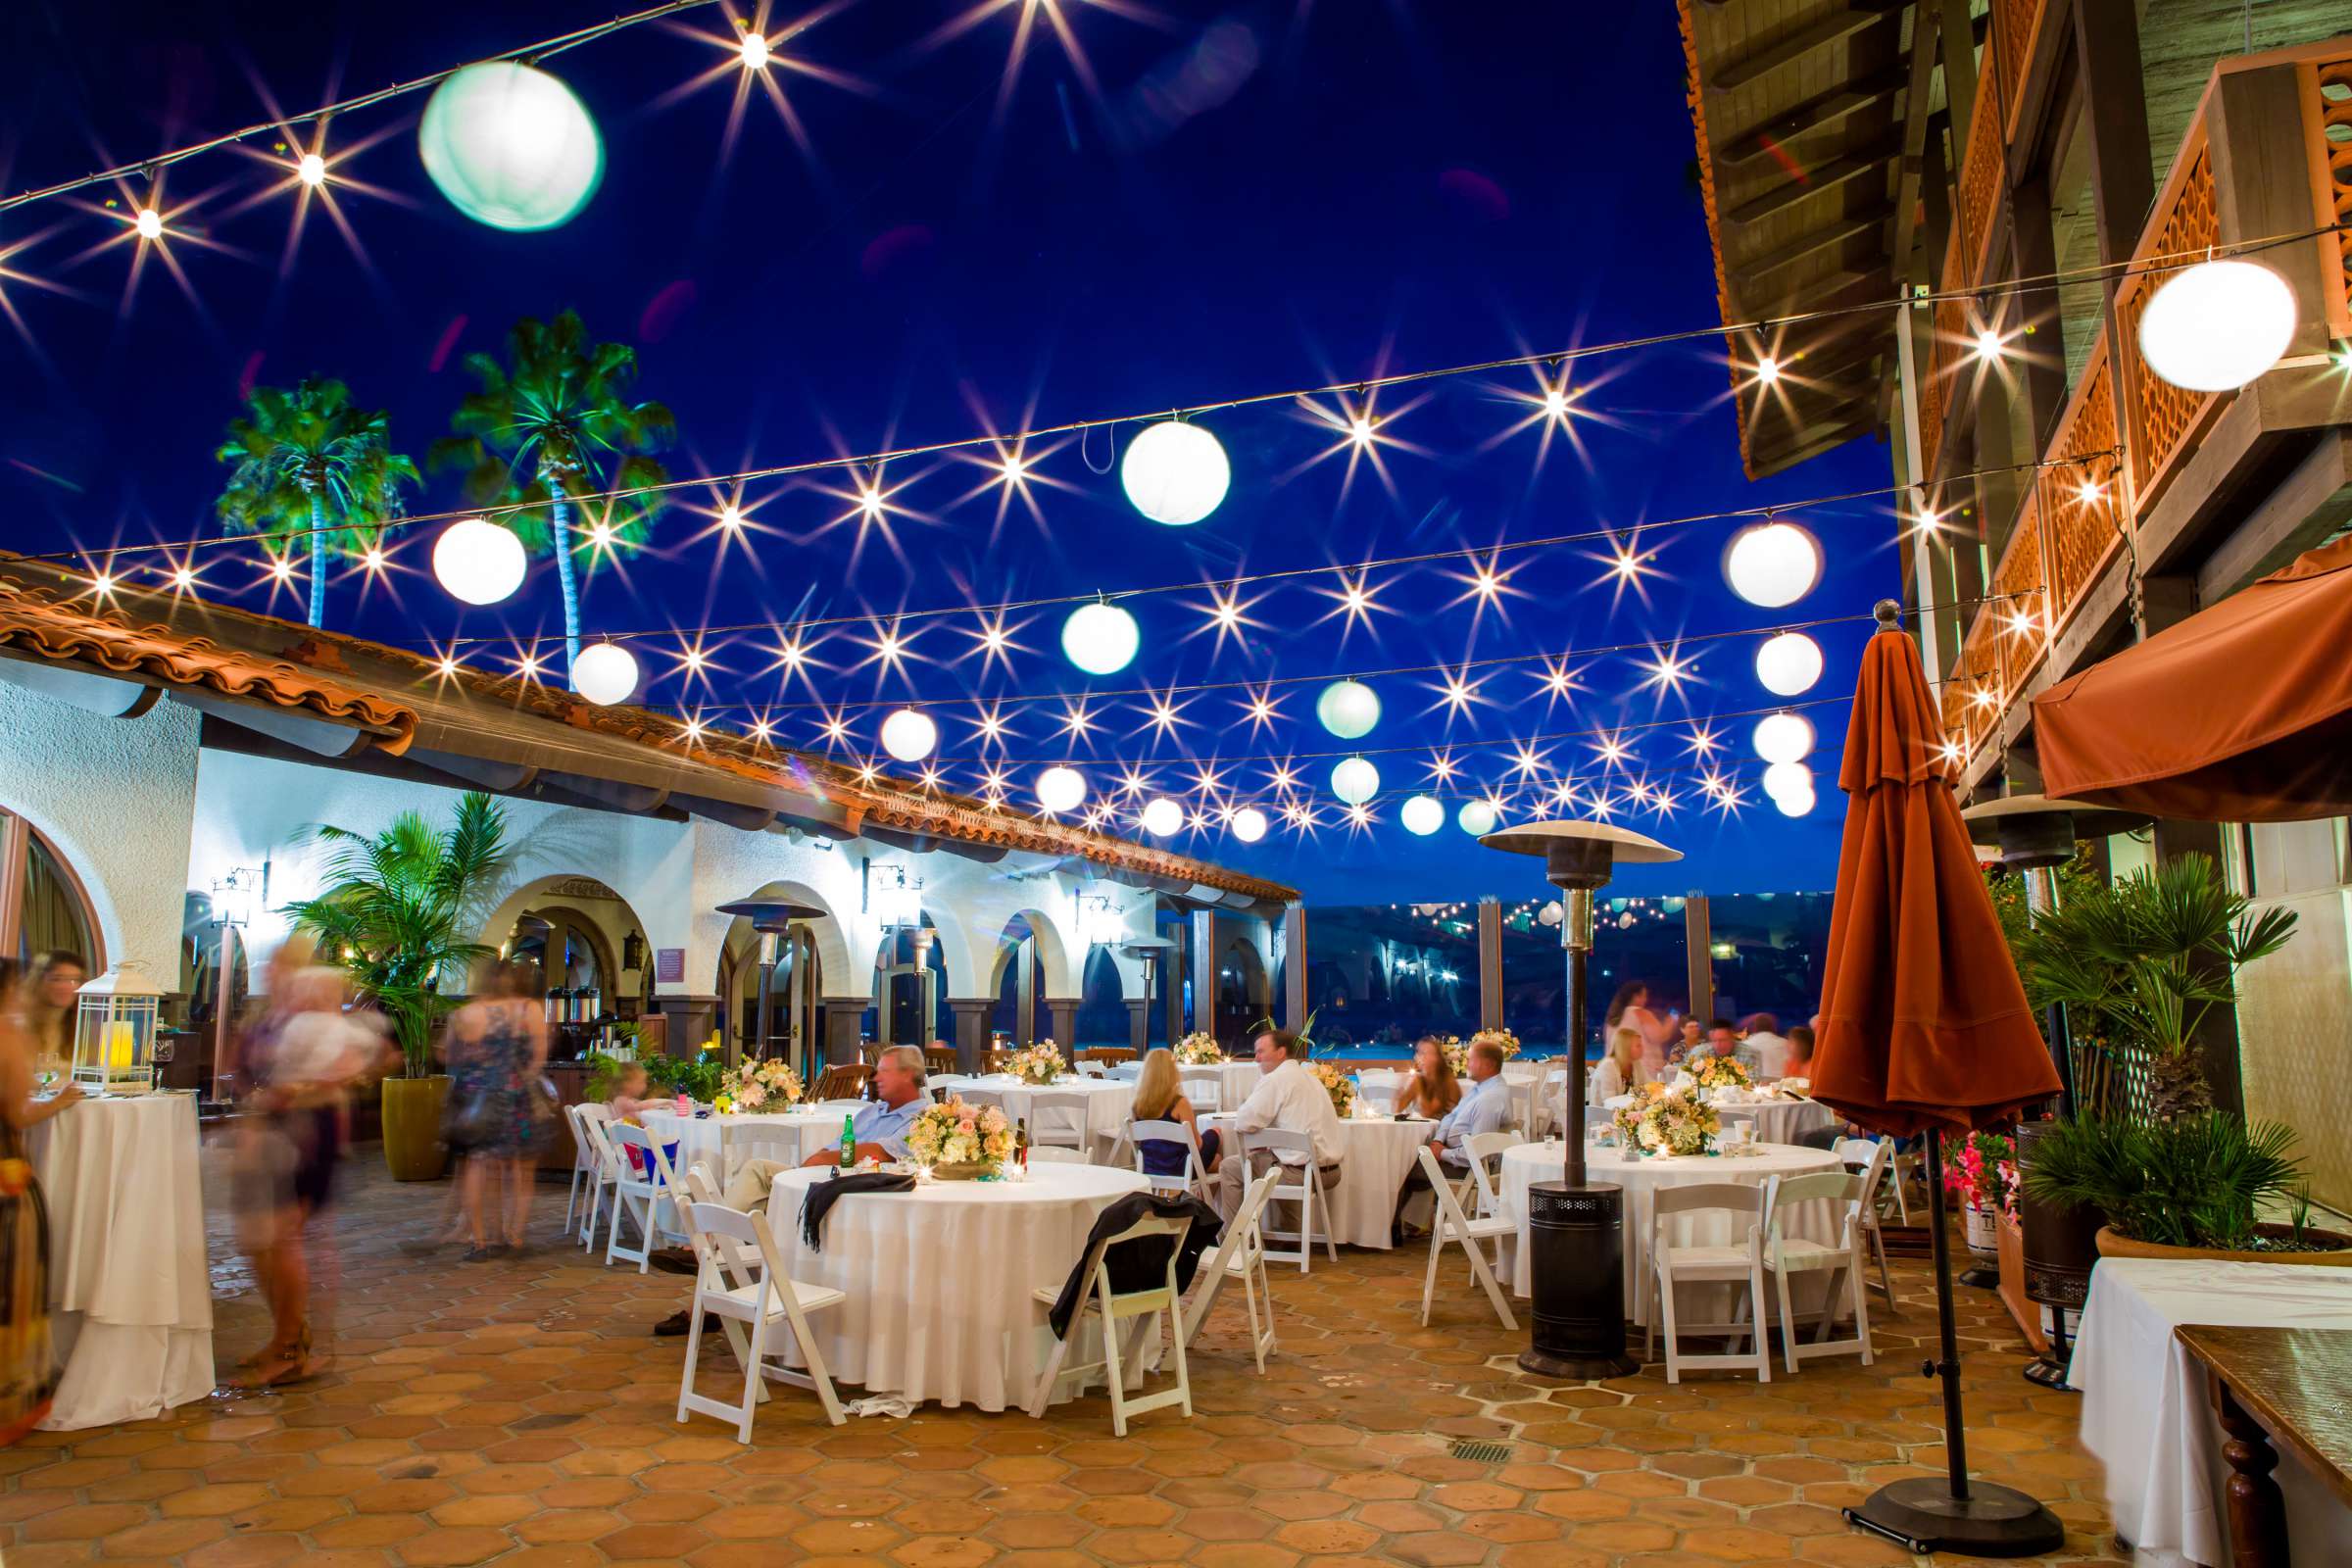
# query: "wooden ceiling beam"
{"type": "Point", "coordinates": [1733, 73]}
{"type": "Point", "coordinates": [1829, 177]}
{"type": "Point", "coordinates": [1806, 246]}
{"type": "Point", "coordinates": [1820, 114]}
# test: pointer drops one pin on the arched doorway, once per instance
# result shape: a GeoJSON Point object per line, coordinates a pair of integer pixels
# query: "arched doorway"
{"type": "Point", "coordinates": [809, 958]}
{"type": "Point", "coordinates": [1244, 998]}
{"type": "Point", "coordinates": [1031, 967]}
{"type": "Point", "coordinates": [1102, 1002]}
{"type": "Point", "coordinates": [596, 970]}
{"type": "Point", "coordinates": [43, 907]}
{"type": "Point", "coordinates": [911, 987]}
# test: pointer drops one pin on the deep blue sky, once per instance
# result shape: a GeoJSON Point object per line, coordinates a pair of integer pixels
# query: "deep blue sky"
{"type": "Point", "coordinates": [1246, 199]}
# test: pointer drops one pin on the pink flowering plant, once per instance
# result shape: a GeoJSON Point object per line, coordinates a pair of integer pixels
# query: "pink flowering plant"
{"type": "Point", "coordinates": [1199, 1049]}
{"type": "Point", "coordinates": [1040, 1063]}
{"type": "Point", "coordinates": [1980, 1170]}
{"type": "Point", "coordinates": [960, 1134]}
{"type": "Point", "coordinates": [764, 1086]}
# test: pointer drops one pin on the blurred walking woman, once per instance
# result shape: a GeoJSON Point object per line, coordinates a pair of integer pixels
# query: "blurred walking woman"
{"type": "Point", "coordinates": [28, 1369]}
{"type": "Point", "coordinates": [497, 1050]}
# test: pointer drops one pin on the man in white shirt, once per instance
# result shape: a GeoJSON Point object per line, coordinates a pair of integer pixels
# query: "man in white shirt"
{"type": "Point", "coordinates": [1485, 1107]}
{"type": "Point", "coordinates": [1288, 1099]}
{"type": "Point", "coordinates": [1767, 1048]}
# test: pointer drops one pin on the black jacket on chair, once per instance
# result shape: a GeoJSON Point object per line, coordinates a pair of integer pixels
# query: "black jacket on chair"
{"type": "Point", "coordinates": [1140, 1264]}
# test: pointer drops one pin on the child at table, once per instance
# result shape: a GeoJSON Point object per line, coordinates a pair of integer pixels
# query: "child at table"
{"type": "Point", "coordinates": [631, 1096]}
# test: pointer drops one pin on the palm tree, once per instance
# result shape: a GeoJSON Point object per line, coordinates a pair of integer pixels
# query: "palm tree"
{"type": "Point", "coordinates": [542, 430]}
{"type": "Point", "coordinates": [309, 465]}
{"type": "Point", "coordinates": [395, 908]}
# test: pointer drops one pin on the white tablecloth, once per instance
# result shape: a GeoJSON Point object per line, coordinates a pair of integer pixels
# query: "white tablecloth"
{"type": "Point", "coordinates": [2146, 1415]}
{"type": "Point", "coordinates": [1374, 1155]}
{"type": "Point", "coordinates": [941, 1280]}
{"type": "Point", "coordinates": [1779, 1122]}
{"type": "Point", "coordinates": [131, 1303]}
{"type": "Point", "coordinates": [1525, 1164]}
{"type": "Point", "coordinates": [1106, 1104]}
{"type": "Point", "coordinates": [698, 1137]}
{"type": "Point", "coordinates": [1235, 1079]}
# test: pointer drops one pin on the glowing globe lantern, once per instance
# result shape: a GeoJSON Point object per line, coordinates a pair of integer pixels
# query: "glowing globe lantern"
{"type": "Point", "coordinates": [1476, 817]}
{"type": "Point", "coordinates": [2217, 325]}
{"type": "Point", "coordinates": [1249, 824]}
{"type": "Point", "coordinates": [1175, 473]}
{"type": "Point", "coordinates": [1355, 781]}
{"type": "Point", "coordinates": [1060, 789]}
{"type": "Point", "coordinates": [1788, 779]}
{"type": "Point", "coordinates": [1101, 638]}
{"type": "Point", "coordinates": [909, 736]}
{"type": "Point", "coordinates": [511, 147]}
{"type": "Point", "coordinates": [1422, 815]}
{"type": "Point", "coordinates": [1348, 709]}
{"type": "Point", "coordinates": [1789, 664]}
{"type": "Point", "coordinates": [1163, 818]}
{"type": "Point", "coordinates": [604, 674]}
{"type": "Point", "coordinates": [1794, 804]}
{"type": "Point", "coordinates": [478, 561]}
{"type": "Point", "coordinates": [1772, 563]}
{"type": "Point", "coordinates": [1784, 737]}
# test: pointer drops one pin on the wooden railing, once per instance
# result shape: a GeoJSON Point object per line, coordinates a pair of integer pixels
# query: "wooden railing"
{"type": "Point", "coordinates": [2161, 418]}
{"type": "Point", "coordinates": [2015, 28]}
{"type": "Point", "coordinates": [1982, 173]}
{"type": "Point", "coordinates": [2327, 94]}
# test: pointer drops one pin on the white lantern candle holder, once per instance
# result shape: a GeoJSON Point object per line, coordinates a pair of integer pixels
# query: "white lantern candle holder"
{"type": "Point", "coordinates": [114, 1031]}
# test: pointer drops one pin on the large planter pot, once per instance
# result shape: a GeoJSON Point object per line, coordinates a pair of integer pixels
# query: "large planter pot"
{"type": "Point", "coordinates": [413, 1146]}
{"type": "Point", "coordinates": [2113, 1246]}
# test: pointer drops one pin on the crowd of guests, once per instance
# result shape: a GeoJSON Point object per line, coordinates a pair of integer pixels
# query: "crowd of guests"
{"type": "Point", "coordinates": [1643, 1046]}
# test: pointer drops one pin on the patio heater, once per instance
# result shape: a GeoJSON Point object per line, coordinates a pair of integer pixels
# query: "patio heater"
{"type": "Point", "coordinates": [1150, 953]}
{"type": "Point", "coordinates": [1576, 1230]}
{"type": "Point", "coordinates": [771, 919]}
{"type": "Point", "coordinates": [2034, 835]}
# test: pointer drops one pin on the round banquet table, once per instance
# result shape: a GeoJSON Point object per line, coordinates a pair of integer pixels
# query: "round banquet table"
{"type": "Point", "coordinates": [1235, 1079]}
{"type": "Point", "coordinates": [699, 1137]}
{"type": "Point", "coordinates": [1107, 1103]}
{"type": "Point", "coordinates": [132, 1304]}
{"type": "Point", "coordinates": [941, 1280]}
{"type": "Point", "coordinates": [1525, 1164]}
{"type": "Point", "coordinates": [1375, 1154]}
{"type": "Point", "coordinates": [1779, 1122]}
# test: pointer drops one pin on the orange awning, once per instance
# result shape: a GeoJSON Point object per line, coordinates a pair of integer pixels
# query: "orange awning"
{"type": "Point", "coordinates": [2240, 714]}
{"type": "Point", "coordinates": [1924, 1021]}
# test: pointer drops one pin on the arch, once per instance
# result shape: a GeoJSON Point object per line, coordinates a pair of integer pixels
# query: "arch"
{"type": "Point", "coordinates": [51, 906]}
{"type": "Point", "coordinates": [1061, 978]}
{"type": "Point", "coordinates": [736, 983]}
{"type": "Point", "coordinates": [1101, 1018]}
{"type": "Point", "coordinates": [566, 892]}
{"type": "Point", "coordinates": [899, 993]}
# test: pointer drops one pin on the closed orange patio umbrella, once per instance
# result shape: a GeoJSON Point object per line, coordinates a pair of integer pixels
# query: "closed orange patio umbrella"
{"type": "Point", "coordinates": [1924, 1028]}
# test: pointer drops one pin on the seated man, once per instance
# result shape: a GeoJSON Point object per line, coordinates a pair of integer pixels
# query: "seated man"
{"type": "Point", "coordinates": [1766, 1050]}
{"type": "Point", "coordinates": [1485, 1107]}
{"type": "Point", "coordinates": [1723, 1040]}
{"type": "Point", "coordinates": [1288, 1099]}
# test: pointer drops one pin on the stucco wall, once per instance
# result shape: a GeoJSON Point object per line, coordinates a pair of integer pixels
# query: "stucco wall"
{"type": "Point", "coordinates": [116, 796]}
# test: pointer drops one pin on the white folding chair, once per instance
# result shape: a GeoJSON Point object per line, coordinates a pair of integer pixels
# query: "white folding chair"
{"type": "Point", "coordinates": [1126, 1072]}
{"type": "Point", "coordinates": [1873, 1156]}
{"type": "Point", "coordinates": [1301, 1184]}
{"type": "Point", "coordinates": [945, 1086]}
{"type": "Point", "coordinates": [1786, 1255]}
{"type": "Point", "coordinates": [1240, 1255]}
{"type": "Point", "coordinates": [1205, 1087]}
{"type": "Point", "coordinates": [744, 1140]}
{"type": "Point", "coordinates": [1112, 1309]}
{"type": "Point", "coordinates": [1090, 1070]}
{"type": "Point", "coordinates": [700, 1185]}
{"type": "Point", "coordinates": [744, 1281]}
{"type": "Point", "coordinates": [1450, 1224]}
{"type": "Point", "coordinates": [1523, 1107]}
{"type": "Point", "coordinates": [1741, 1261]}
{"type": "Point", "coordinates": [982, 1097]}
{"type": "Point", "coordinates": [1378, 1089]}
{"type": "Point", "coordinates": [585, 1165]}
{"type": "Point", "coordinates": [642, 1191]}
{"type": "Point", "coordinates": [1192, 1179]}
{"type": "Point", "coordinates": [595, 1125]}
{"type": "Point", "coordinates": [1486, 1151]}
{"type": "Point", "coordinates": [1057, 1117]}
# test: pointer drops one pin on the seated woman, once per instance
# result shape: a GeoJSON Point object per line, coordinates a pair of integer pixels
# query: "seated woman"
{"type": "Point", "coordinates": [1159, 1097]}
{"type": "Point", "coordinates": [1800, 1054]}
{"type": "Point", "coordinates": [1430, 1090]}
{"type": "Point", "coordinates": [1620, 1071]}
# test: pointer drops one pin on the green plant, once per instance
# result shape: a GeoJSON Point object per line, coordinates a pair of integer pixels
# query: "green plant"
{"type": "Point", "coordinates": [310, 466]}
{"type": "Point", "coordinates": [2140, 963]}
{"type": "Point", "coordinates": [2196, 1181]}
{"type": "Point", "coordinates": [1305, 1031]}
{"type": "Point", "coordinates": [698, 1076]}
{"type": "Point", "coordinates": [394, 905]}
{"type": "Point", "coordinates": [542, 430]}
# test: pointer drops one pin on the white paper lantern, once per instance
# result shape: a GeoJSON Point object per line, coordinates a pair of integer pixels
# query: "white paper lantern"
{"type": "Point", "coordinates": [1355, 781]}
{"type": "Point", "coordinates": [1101, 638]}
{"type": "Point", "coordinates": [478, 561]}
{"type": "Point", "coordinates": [1789, 664]}
{"type": "Point", "coordinates": [1162, 818]}
{"type": "Point", "coordinates": [1422, 815]}
{"type": "Point", "coordinates": [1794, 804]}
{"type": "Point", "coordinates": [2217, 325]}
{"type": "Point", "coordinates": [1476, 817]}
{"type": "Point", "coordinates": [1772, 563]}
{"type": "Point", "coordinates": [1249, 824]}
{"type": "Point", "coordinates": [1348, 709]}
{"type": "Point", "coordinates": [1784, 737]}
{"type": "Point", "coordinates": [511, 147]}
{"type": "Point", "coordinates": [909, 736]}
{"type": "Point", "coordinates": [1788, 779]}
{"type": "Point", "coordinates": [1060, 789]}
{"type": "Point", "coordinates": [1175, 473]}
{"type": "Point", "coordinates": [604, 674]}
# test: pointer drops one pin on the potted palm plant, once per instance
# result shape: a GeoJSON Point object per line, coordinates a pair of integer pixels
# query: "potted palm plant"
{"type": "Point", "coordinates": [392, 914]}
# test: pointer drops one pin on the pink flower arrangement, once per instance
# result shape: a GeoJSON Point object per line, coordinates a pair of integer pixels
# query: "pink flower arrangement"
{"type": "Point", "coordinates": [1980, 1170]}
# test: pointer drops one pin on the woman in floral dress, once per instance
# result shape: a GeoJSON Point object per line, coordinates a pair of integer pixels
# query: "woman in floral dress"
{"type": "Point", "coordinates": [27, 1368]}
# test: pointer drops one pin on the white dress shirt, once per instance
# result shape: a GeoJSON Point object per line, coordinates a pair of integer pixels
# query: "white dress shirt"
{"type": "Point", "coordinates": [1485, 1105]}
{"type": "Point", "coordinates": [1290, 1100]}
{"type": "Point", "coordinates": [1769, 1056]}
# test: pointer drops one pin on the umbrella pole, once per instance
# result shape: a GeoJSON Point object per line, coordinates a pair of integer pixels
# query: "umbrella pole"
{"type": "Point", "coordinates": [1928, 1515]}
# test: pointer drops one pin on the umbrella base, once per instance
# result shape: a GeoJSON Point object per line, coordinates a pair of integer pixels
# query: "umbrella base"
{"type": "Point", "coordinates": [1576, 1239]}
{"type": "Point", "coordinates": [1922, 1515]}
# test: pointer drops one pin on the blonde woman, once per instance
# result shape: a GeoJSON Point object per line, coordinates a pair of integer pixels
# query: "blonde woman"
{"type": "Point", "coordinates": [1620, 1071]}
{"type": "Point", "coordinates": [1159, 1097]}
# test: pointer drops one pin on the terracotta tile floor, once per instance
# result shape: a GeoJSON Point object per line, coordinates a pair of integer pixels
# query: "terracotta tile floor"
{"type": "Point", "coordinates": [518, 1412]}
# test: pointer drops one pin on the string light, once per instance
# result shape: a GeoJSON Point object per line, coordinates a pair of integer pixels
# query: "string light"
{"type": "Point", "coordinates": [755, 50]}
{"type": "Point", "coordinates": [1988, 344]}
{"type": "Point", "coordinates": [310, 170]}
{"type": "Point", "coordinates": [1768, 370]}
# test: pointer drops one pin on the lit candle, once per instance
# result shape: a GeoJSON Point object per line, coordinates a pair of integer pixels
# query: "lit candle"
{"type": "Point", "coordinates": [121, 1055]}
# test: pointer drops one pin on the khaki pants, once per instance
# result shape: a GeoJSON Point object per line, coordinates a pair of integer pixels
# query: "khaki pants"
{"type": "Point", "coordinates": [1233, 1185]}
{"type": "Point", "coordinates": [749, 1190]}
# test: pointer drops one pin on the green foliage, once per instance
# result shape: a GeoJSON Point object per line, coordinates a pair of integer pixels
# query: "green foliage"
{"type": "Point", "coordinates": [395, 905]}
{"type": "Point", "coordinates": [1305, 1031]}
{"type": "Point", "coordinates": [699, 1077]}
{"type": "Point", "coordinates": [2197, 1181]}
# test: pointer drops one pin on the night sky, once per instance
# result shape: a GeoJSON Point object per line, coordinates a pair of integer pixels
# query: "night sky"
{"type": "Point", "coordinates": [1217, 201]}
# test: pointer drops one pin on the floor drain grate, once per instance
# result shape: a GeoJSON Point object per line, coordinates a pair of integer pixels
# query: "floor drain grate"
{"type": "Point", "coordinates": [1479, 1452]}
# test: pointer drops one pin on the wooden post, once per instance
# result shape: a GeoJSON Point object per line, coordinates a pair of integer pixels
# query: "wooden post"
{"type": "Point", "coordinates": [1698, 959]}
{"type": "Point", "coordinates": [1293, 966]}
{"type": "Point", "coordinates": [1490, 963]}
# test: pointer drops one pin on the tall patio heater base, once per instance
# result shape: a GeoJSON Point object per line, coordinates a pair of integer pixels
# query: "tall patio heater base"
{"type": "Point", "coordinates": [1922, 1515]}
{"type": "Point", "coordinates": [1576, 1265]}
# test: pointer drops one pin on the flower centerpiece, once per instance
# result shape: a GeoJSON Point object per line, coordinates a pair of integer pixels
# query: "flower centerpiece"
{"type": "Point", "coordinates": [1199, 1049]}
{"type": "Point", "coordinates": [1457, 1055]}
{"type": "Point", "coordinates": [764, 1086]}
{"type": "Point", "coordinates": [1710, 1071]}
{"type": "Point", "coordinates": [1508, 1041]}
{"type": "Point", "coordinates": [1040, 1063]}
{"type": "Point", "coordinates": [956, 1142]}
{"type": "Point", "coordinates": [1676, 1122]}
{"type": "Point", "coordinates": [1338, 1085]}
